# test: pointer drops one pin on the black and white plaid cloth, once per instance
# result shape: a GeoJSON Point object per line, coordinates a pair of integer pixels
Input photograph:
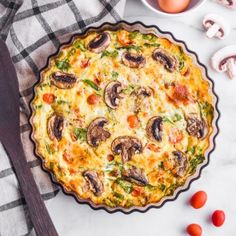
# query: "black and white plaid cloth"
{"type": "Point", "coordinates": [33, 29]}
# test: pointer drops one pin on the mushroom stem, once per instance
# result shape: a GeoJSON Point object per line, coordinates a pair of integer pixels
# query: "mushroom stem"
{"type": "Point", "coordinates": [231, 68]}
{"type": "Point", "coordinates": [212, 30]}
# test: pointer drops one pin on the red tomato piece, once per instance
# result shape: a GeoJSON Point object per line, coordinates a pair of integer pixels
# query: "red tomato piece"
{"type": "Point", "coordinates": [198, 200]}
{"type": "Point", "coordinates": [218, 218]}
{"type": "Point", "coordinates": [93, 99]}
{"type": "Point", "coordinates": [194, 230]}
{"type": "Point", "coordinates": [49, 98]}
{"type": "Point", "coordinates": [133, 121]}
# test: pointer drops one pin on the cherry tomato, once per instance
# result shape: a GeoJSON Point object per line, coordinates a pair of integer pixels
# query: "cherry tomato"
{"type": "Point", "coordinates": [194, 230]}
{"type": "Point", "coordinates": [93, 99]}
{"type": "Point", "coordinates": [218, 218]}
{"type": "Point", "coordinates": [136, 191]}
{"type": "Point", "coordinates": [123, 38]}
{"type": "Point", "coordinates": [110, 157]}
{"type": "Point", "coordinates": [133, 121]}
{"type": "Point", "coordinates": [199, 199]}
{"type": "Point", "coordinates": [48, 98]}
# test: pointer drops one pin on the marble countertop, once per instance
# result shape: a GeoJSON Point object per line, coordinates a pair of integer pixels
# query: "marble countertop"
{"type": "Point", "coordinates": [218, 179]}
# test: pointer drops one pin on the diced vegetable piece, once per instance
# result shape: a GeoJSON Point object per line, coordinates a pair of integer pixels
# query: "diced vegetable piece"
{"type": "Point", "coordinates": [91, 84]}
{"type": "Point", "coordinates": [49, 98]}
{"type": "Point", "coordinates": [80, 133]}
{"type": "Point", "coordinates": [127, 186]}
{"type": "Point", "coordinates": [133, 121]}
{"type": "Point", "coordinates": [93, 99]}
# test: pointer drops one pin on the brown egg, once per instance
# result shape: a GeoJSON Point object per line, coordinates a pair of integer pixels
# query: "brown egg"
{"type": "Point", "coordinates": [173, 6]}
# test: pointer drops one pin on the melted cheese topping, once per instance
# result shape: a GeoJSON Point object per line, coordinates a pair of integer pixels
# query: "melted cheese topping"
{"type": "Point", "coordinates": [175, 97]}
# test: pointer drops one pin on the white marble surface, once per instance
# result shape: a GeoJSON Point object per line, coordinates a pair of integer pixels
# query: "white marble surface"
{"type": "Point", "coordinates": [218, 179]}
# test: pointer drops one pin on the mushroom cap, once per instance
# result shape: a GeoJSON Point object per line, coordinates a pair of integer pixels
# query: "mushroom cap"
{"type": "Point", "coordinates": [112, 94]}
{"type": "Point", "coordinates": [154, 128]}
{"type": "Point", "coordinates": [180, 163]}
{"type": "Point", "coordinates": [55, 126]}
{"type": "Point", "coordinates": [222, 29]}
{"type": "Point", "coordinates": [220, 58]}
{"type": "Point", "coordinates": [228, 3]}
{"type": "Point", "coordinates": [100, 42]}
{"type": "Point", "coordinates": [63, 80]}
{"type": "Point", "coordinates": [165, 58]}
{"type": "Point", "coordinates": [127, 146]}
{"type": "Point", "coordinates": [96, 132]}
{"type": "Point", "coordinates": [133, 60]}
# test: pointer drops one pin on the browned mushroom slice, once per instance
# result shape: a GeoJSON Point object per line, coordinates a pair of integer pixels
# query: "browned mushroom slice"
{"type": "Point", "coordinates": [127, 146]}
{"type": "Point", "coordinates": [154, 128]}
{"type": "Point", "coordinates": [96, 132]}
{"type": "Point", "coordinates": [196, 127]}
{"type": "Point", "coordinates": [95, 183]}
{"type": "Point", "coordinates": [55, 126]}
{"type": "Point", "coordinates": [135, 175]}
{"type": "Point", "coordinates": [63, 80]}
{"type": "Point", "coordinates": [133, 60]}
{"type": "Point", "coordinates": [112, 94]}
{"type": "Point", "coordinates": [141, 94]}
{"type": "Point", "coordinates": [164, 57]}
{"type": "Point", "coordinates": [100, 42]}
{"type": "Point", "coordinates": [180, 163]}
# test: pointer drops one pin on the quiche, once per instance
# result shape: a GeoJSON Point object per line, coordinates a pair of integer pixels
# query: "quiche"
{"type": "Point", "coordinates": [122, 118]}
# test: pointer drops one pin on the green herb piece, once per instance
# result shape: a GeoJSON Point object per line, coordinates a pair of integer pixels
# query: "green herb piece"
{"type": "Point", "coordinates": [113, 165]}
{"type": "Point", "coordinates": [78, 44]}
{"type": "Point", "coordinates": [171, 189]}
{"type": "Point", "coordinates": [63, 64]}
{"type": "Point", "coordinates": [195, 162]}
{"type": "Point", "coordinates": [176, 117]}
{"type": "Point", "coordinates": [49, 149]}
{"type": "Point", "coordinates": [80, 133]}
{"type": "Point", "coordinates": [133, 35]}
{"type": "Point", "coordinates": [162, 187]}
{"type": "Point", "coordinates": [61, 102]}
{"type": "Point", "coordinates": [149, 37]}
{"type": "Point", "coordinates": [118, 195]}
{"type": "Point", "coordinates": [128, 188]}
{"type": "Point", "coordinates": [51, 165]}
{"type": "Point", "coordinates": [38, 106]}
{"type": "Point", "coordinates": [191, 150]}
{"type": "Point", "coordinates": [114, 75]}
{"type": "Point", "coordinates": [71, 52]}
{"type": "Point", "coordinates": [161, 165]}
{"type": "Point", "coordinates": [112, 54]}
{"type": "Point", "coordinates": [129, 47]}
{"type": "Point", "coordinates": [149, 45]}
{"type": "Point", "coordinates": [151, 187]}
{"type": "Point", "coordinates": [129, 89]}
{"type": "Point", "coordinates": [166, 119]}
{"type": "Point", "coordinates": [181, 64]}
{"type": "Point", "coordinates": [207, 110]}
{"type": "Point", "coordinates": [91, 84]}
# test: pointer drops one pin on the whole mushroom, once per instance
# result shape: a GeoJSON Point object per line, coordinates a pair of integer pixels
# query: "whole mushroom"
{"type": "Point", "coordinates": [96, 132]}
{"type": "Point", "coordinates": [100, 42]}
{"type": "Point", "coordinates": [224, 60]}
{"type": "Point", "coordinates": [216, 26]}
{"type": "Point", "coordinates": [112, 94]}
{"type": "Point", "coordinates": [166, 59]}
{"type": "Point", "coordinates": [127, 146]}
{"type": "Point", "coordinates": [228, 3]}
{"type": "Point", "coordinates": [133, 60]}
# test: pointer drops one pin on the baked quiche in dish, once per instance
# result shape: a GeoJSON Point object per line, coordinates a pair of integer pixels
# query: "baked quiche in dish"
{"type": "Point", "coordinates": [123, 117]}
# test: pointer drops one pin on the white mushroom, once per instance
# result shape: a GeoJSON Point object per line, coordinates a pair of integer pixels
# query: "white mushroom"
{"type": "Point", "coordinates": [216, 26]}
{"type": "Point", "coordinates": [228, 3]}
{"type": "Point", "coordinates": [224, 60]}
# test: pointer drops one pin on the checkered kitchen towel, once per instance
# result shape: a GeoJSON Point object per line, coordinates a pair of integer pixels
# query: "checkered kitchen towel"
{"type": "Point", "coordinates": [33, 29]}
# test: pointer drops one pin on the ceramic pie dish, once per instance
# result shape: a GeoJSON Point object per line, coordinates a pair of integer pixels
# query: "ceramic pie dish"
{"type": "Point", "coordinates": [124, 117]}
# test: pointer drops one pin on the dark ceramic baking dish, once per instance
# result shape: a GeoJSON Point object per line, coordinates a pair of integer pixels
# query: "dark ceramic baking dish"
{"type": "Point", "coordinates": [143, 29]}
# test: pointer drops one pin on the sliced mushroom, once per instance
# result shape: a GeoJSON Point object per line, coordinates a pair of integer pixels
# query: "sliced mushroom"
{"type": "Point", "coordinates": [216, 26]}
{"type": "Point", "coordinates": [63, 80]}
{"type": "Point", "coordinates": [164, 57]}
{"type": "Point", "coordinates": [154, 128]}
{"type": "Point", "coordinates": [55, 126]}
{"type": "Point", "coordinates": [135, 175]}
{"type": "Point", "coordinates": [100, 42]}
{"type": "Point", "coordinates": [228, 3]}
{"type": "Point", "coordinates": [196, 127]}
{"type": "Point", "coordinates": [112, 94]}
{"type": "Point", "coordinates": [95, 183]}
{"type": "Point", "coordinates": [127, 146]}
{"type": "Point", "coordinates": [96, 132]}
{"type": "Point", "coordinates": [224, 60]}
{"type": "Point", "coordinates": [180, 163]}
{"type": "Point", "coordinates": [133, 60]}
{"type": "Point", "coordinates": [142, 93]}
